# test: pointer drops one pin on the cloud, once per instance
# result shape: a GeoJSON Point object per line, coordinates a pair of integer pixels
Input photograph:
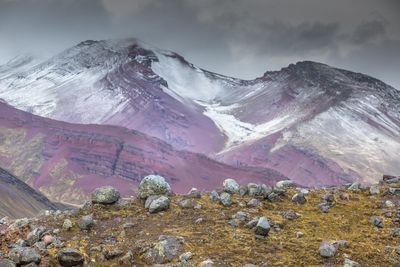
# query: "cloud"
{"type": "Point", "coordinates": [232, 37]}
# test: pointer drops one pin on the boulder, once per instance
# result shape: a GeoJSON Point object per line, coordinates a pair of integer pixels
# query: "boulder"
{"type": "Point", "coordinates": [165, 250]}
{"type": "Point", "coordinates": [374, 190]}
{"type": "Point", "coordinates": [159, 204]}
{"type": "Point", "coordinates": [284, 184]}
{"type": "Point", "coordinates": [262, 227]}
{"type": "Point", "coordinates": [86, 222]}
{"type": "Point", "coordinates": [225, 199]}
{"type": "Point", "coordinates": [327, 250]}
{"type": "Point", "coordinates": [231, 186]}
{"type": "Point", "coordinates": [105, 195]}
{"type": "Point", "coordinates": [67, 225]}
{"type": "Point", "coordinates": [290, 214]}
{"type": "Point", "coordinates": [153, 185]}
{"type": "Point", "coordinates": [299, 198]}
{"type": "Point", "coordinates": [69, 257]}
{"type": "Point", "coordinates": [253, 203]}
{"type": "Point", "coordinates": [350, 263]}
{"type": "Point", "coordinates": [377, 221]}
{"type": "Point", "coordinates": [206, 263]}
{"type": "Point", "coordinates": [24, 255]}
{"type": "Point", "coordinates": [7, 263]}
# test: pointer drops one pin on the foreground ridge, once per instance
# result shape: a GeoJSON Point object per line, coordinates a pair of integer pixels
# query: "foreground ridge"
{"type": "Point", "coordinates": [237, 225]}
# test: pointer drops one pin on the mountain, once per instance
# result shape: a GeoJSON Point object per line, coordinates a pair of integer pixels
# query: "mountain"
{"type": "Point", "coordinates": [68, 161]}
{"type": "Point", "coordinates": [18, 199]}
{"type": "Point", "coordinates": [316, 124]}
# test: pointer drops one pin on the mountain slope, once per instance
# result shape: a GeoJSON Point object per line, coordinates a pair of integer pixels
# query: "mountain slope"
{"type": "Point", "coordinates": [307, 121]}
{"type": "Point", "coordinates": [68, 161]}
{"type": "Point", "coordinates": [18, 200]}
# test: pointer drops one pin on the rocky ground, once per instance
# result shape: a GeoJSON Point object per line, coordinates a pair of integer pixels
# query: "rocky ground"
{"type": "Point", "coordinates": [252, 225]}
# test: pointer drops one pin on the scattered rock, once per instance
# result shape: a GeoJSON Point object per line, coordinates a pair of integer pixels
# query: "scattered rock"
{"type": "Point", "coordinates": [290, 214]}
{"type": "Point", "coordinates": [20, 223]}
{"type": "Point", "coordinates": [395, 232]}
{"type": "Point", "coordinates": [35, 235]}
{"type": "Point", "coordinates": [377, 221]}
{"type": "Point", "coordinates": [105, 195]}
{"type": "Point", "coordinates": [7, 263]}
{"type": "Point", "coordinates": [344, 196]}
{"type": "Point", "coordinates": [324, 207]}
{"type": "Point", "coordinates": [23, 255]}
{"type": "Point", "coordinates": [243, 190]}
{"type": "Point", "coordinates": [394, 191]}
{"type": "Point", "coordinates": [207, 263]}
{"type": "Point", "coordinates": [299, 198]}
{"type": "Point", "coordinates": [67, 225]}
{"type": "Point", "coordinates": [262, 227]}
{"type": "Point", "coordinates": [69, 257]}
{"type": "Point", "coordinates": [47, 239]}
{"type": "Point", "coordinates": [254, 190]}
{"type": "Point", "coordinates": [251, 224]}
{"type": "Point", "coordinates": [341, 244]}
{"type": "Point", "coordinates": [153, 185]}
{"type": "Point", "coordinates": [149, 200]}
{"type": "Point", "coordinates": [186, 257]}
{"type": "Point", "coordinates": [186, 203]}
{"type": "Point", "coordinates": [159, 204]}
{"type": "Point", "coordinates": [86, 222]}
{"type": "Point", "coordinates": [273, 197]}
{"type": "Point", "coordinates": [214, 196]}
{"type": "Point", "coordinates": [241, 216]}
{"type": "Point", "coordinates": [225, 199]}
{"type": "Point", "coordinates": [389, 204]}
{"type": "Point", "coordinates": [253, 203]}
{"type": "Point", "coordinates": [328, 198]}
{"type": "Point", "coordinates": [327, 250]}
{"type": "Point", "coordinates": [114, 253]}
{"type": "Point", "coordinates": [299, 234]}
{"type": "Point", "coordinates": [165, 250]}
{"type": "Point", "coordinates": [128, 225]}
{"type": "Point", "coordinates": [231, 186]}
{"type": "Point", "coordinates": [374, 190]}
{"type": "Point", "coordinates": [350, 263]}
{"type": "Point", "coordinates": [355, 186]}
{"type": "Point", "coordinates": [195, 193]}
{"type": "Point", "coordinates": [284, 184]}
{"type": "Point", "coordinates": [127, 259]}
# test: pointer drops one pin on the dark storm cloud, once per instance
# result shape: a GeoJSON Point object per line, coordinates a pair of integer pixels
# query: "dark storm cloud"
{"type": "Point", "coordinates": [241, 38]}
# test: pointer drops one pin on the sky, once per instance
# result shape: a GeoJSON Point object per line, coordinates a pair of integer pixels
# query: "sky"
{"type": "Point", "coordinates": [239, 38]}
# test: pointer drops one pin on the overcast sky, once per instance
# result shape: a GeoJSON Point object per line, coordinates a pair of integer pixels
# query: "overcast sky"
{"type": "Point", "coordinates": [240, 38]}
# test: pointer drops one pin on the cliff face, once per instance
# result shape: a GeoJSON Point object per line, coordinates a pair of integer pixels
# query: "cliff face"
{"type": "Point", "coordinates": [18, 199]}
{"type": "Point", "coordinates": [68, 161]}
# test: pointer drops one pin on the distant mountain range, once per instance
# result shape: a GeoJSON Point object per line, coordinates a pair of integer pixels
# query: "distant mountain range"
{"type": "Point", "coordinates": [313, 123]}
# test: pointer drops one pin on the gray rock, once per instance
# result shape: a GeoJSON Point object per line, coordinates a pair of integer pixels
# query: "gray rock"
{"type": "Point", "coordinates": [41, 248]}
{"type": "Point", "coordinates": [398, 250]}
{"type": "Point", "coordinates": [23, 255]}
{"type": "Point", "coordinates": [185, 203]}
{"type": "Point", "coordinates": [86, 222]}
{"type": "Point", "coordinates": [355, 186]}
{"type": "Point", "coordinates": [394, 191]}
{"type": "Point", "coordinates": [186, 257]}
{"type": "Point", "coordinates": [231, 186]}
{"type": "Point", "coordinates": [262, 227]}
{"type": "Point", "coordinates": [251, 224]}
{"type": "Point", "coordinates": [214, 196]}
{"type": "Point", "coordinates": [341, 244]}
{"type": "Point", "coordinates": [324, 207]}
{"type": "Point", "coordinates": [395, 232]}
{"type": "Point", "coordinates": [113, 253]}
{"type": "Point", "coordinates": [69, 257]}
{"type": "Point", "coordinates": [249, 265]}
{"type": "Point", "coordinates": [253, 203]}
{"type": "Point", "coordinates": [21, 243]}
{"type": "Point", "coordinates": [273, 197]}
{"type": "Point", "coordinates": [35, 235]}
{"type": "Point", "coordinates": [165, 250]}
{"type": "Point", "coordinates": [374, 190]}
{"type": "Point", "coordinates": [207, 263]}
{"type": "Point", "coordinates": [127, 259]}
{"type": "Point", "coordinates": [299, 198]}
{"type": "Point", "coordinates": [194, 192]}
{"type": "Point", "coordinates": [265, 190]}
{"type": "Point", "coordinates": [153, 185]}
{"type": "Point", "coordinates": [377, 221]}
{"type": "Point", "coordinates": [159, 204]}
{"type": "Point", "coordinates": [243, 190]}
{"type": "Point", "coordinates": [241, 216]}
{"type": "Point", "coordinates": [389, 204]}
{"type": "Point", "coordinates": [290, 214]}
{"type": "Point", "coordinates": [6, 263]}
{"type": "Point", "coordinates": [105, 195]}
{"type": "Point", "coordinates": [284, 184]}
{"type": "Point", "coordinates": [128, 225]}
{"type": "Point", "coordinates": [149, 200]}
{"type": "Point", "coordinates": [19, 223]}
{"type": "Point", "coordinates": [225, 199]}
{"type": "Point", "coordinates": [327, 250]}
{"type": "Point", "coordinates": [350, 263]}
{"type": "Point", "coordinates": [67, 225]}
{"type": "Point", "coordinates": [344, 196]}
{"type": "Point", "coordinates": [254, 190]}
{"type": "Point", "coordinates": [328, 198]}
